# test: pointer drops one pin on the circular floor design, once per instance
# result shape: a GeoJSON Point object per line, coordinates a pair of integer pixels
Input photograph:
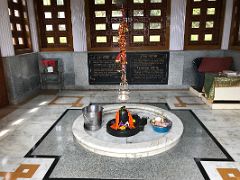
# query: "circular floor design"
{"type": "Point", "coordinates": [145, 143]}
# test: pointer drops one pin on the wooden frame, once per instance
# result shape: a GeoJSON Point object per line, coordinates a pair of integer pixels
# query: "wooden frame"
{"type": "Point", "coordinates": [234, 42]}
{"type": "Point", "coordinates": [20, 26]}
{"type": "Point", "coordinates": [53, 10]}
{"type": "Point", "coordinates": [202, 30]}
{"type": "Point", "coordinates": [110, 46]}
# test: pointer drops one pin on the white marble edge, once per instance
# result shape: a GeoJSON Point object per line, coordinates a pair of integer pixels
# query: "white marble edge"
{"type": "Point", "coordinates": [132, 150]}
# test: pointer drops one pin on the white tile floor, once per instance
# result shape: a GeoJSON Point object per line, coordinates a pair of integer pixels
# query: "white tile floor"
{"type": "Point", "coordinates": [21, 129]}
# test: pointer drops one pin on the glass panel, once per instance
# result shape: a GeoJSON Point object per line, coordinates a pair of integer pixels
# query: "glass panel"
{"type": "Point", "coordinates": [11, 26]}
{"type": "Point", "coordinates": [208, 37]}
{"type": "Point", "coordinates": [99, 27]}
{"type": "Point", "coordinates": [211, 0]}
{"type": "Point", "coordinates": [61, 14]}
{"type": "Point", "coordinates": [138, 25]}
{"type": "Point", "coordinates": [50, 40]}
{"type": "Point", "coordinates": [114, 1]}
{"type": "Point", "coordinates": [209, 24]}
{"type": "Point", "coordinates": [27, 28]}
{"type": "Point", "coordinates": [116, 13]}
{"type": "Point", "coordinates": [14, 41]}
{"type": "Point", "coordinates": [138, 1]}
{"type": "Point", "coordinates": [115, 26]}
{"type": "Point", "coordinates": [210, 11]}
{"type": "Point", "coordinates": [154, 38]}
{"type": "Point", "coordinates": [100, 13]}
{"type": "Point", "coordinates": [62, 27]}
{"type": "Point", "coordinates": [156, 1]}
{"type": "Point", "coordinates": [115, 39]}
{"type": "Point", "coordinates": [46, 2]}
{"type": "Point", "coordinates": [196, 11]}
{"type": "Point", "coordinates": [9, 12]}
{"type": "Point", "coordinates": [48, 15]}
{"type": "Point", "coordinates": [63, 40]}
{"type": "Point", "coordinates": [18, 26]}
{"type": "Point", "coordinates": [197, 0]}
{"type": "Point", "coordinates": [49, 27]}
{"type": "Point", "coordinates": [138, 39]}
{"type": "Point", "coordinates": [20, 41]}
{"type": "Point", "coordinates": [15, 1]}
{"type": "Point", "coordinates": [25, 15]}
{"type": "Point", "coordinates": [60, 2]}
{"type": "Point", "coordinates": [23, 2]}
{"type": "Point", "coordinates": [99, 1]}
{"type": "Point", "coordinates": [155, 12]}
{"type": "Point", "coordinates": [16, 13]}
{"type": "Point", "coordinates": [101, 39]}
{"type": "Point", "coordinates": [195, 24]}
{"type": "Point", "coordinates": [138, 13]}
{"type": "Point", "coordinates": [155, 25]}
{"type": "Point", "coordinates": [194, 37]}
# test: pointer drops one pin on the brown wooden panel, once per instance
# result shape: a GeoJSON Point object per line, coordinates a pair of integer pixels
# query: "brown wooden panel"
{"type": "Point", "coordinates": [203, 17]}
{"type": "Point", "coordinates": [3, 89]}
{"type": "Point", "coordinates": [146, 19]}
{"type": "Point", "coordinates": [235, 27]}
{"type": "Point", "coordinates": [55, 21]}
{"type": "Point", "coordinates": [22, 20]}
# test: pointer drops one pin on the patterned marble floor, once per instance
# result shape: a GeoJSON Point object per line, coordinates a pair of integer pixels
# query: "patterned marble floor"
{"type": "Point", "coordinates": [21, 129]}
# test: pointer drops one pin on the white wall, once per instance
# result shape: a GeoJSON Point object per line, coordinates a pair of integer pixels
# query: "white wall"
{"type": "Point", "coordinates": [227, 24]}
{"type": "Point", "coordinates": [78, 26]}
{"type": "Point", "coordinates": [33, 25]}
{"type": "Point", "coordinates": [177, 26]}
{"type": "Point", "coordinates": [6, 43]}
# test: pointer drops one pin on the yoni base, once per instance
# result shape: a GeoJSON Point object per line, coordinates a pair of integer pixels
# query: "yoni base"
{"type": "Point", "coordinates": [139, 126]}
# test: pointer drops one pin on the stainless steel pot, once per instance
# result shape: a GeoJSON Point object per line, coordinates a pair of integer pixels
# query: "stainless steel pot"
{"type": "Point", "coordinates": [92, 117]}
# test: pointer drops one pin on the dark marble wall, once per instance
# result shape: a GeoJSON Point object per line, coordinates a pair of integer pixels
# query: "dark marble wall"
{"type": "Point", "coordinates": [181, 73]}
{"type": "Point", "coordinates": [22, 76]}
{"type": "Point", "coordinates": [68, 65]}
{"type": "Point", "coordinates": [22, 71]}
{"type": "Point", "coordinates": [189, 56]}
{"type": "Point", "coordinates": [236, 58]}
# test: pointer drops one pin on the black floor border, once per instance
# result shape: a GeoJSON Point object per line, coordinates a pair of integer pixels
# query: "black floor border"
{"type": "Point", "coordinates": [201, 168]}
{"type": "Point", "coordinates": [197, 160]}
{"type": "Point", "coordinates": [46, 133]}
{"type": "Point", "coordinates": [229, 157]}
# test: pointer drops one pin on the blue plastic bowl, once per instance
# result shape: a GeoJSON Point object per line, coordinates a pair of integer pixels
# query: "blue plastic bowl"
{"type": "Point", "coordinates": [160, 129]}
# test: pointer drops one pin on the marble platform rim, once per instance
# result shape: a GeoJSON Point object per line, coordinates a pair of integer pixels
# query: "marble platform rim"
{"type": "Point", "coordinates": [129, 150]}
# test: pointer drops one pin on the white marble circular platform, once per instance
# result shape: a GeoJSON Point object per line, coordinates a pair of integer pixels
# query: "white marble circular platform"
{"type": "Point", "coordinates": [145, 143]}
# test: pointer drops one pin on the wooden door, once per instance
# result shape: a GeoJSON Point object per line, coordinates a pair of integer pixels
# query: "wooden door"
{"type": "Point", "coordinates": [3, 89]}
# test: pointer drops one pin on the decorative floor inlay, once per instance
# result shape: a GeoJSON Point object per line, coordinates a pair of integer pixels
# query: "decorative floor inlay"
{"type": "Point", "coordinates": [145, 143]}
{"type": "Point", "coordinates": [23, 171]}
{"type": "Point", "coordinates": [24, 168]}
{"type": "Point", "coordinates": [222, 170]}
{"type": "Point", "coordinates": [74, 101]}
{"type": "Point", "coordinates": [77, 162]}
{"type": "Point", "coordinates": [183, 101]}
{"type": "Point", "coordinates": [186, 102]}
{"type": "Point", "coordinates": [26, 127]}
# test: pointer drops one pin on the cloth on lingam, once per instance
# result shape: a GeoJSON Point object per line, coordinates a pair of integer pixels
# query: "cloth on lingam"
{"type": "Point", "coordinates": [116, 125]}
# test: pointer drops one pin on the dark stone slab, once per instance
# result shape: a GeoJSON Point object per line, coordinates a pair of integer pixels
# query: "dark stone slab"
{"type": "Point", "coordinates": [22, 76]}
{"type": "Point", "coordinates": [142, 68]}
{"type": "Point", "coordinates": [176, 163]}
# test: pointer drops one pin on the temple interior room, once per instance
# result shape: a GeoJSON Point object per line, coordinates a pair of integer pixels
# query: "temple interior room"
{"type": "Point", "coordinates": [120, 89]}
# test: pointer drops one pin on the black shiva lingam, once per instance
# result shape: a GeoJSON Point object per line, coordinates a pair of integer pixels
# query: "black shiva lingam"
{"type": "Point", "coordinates": [125, 124]}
